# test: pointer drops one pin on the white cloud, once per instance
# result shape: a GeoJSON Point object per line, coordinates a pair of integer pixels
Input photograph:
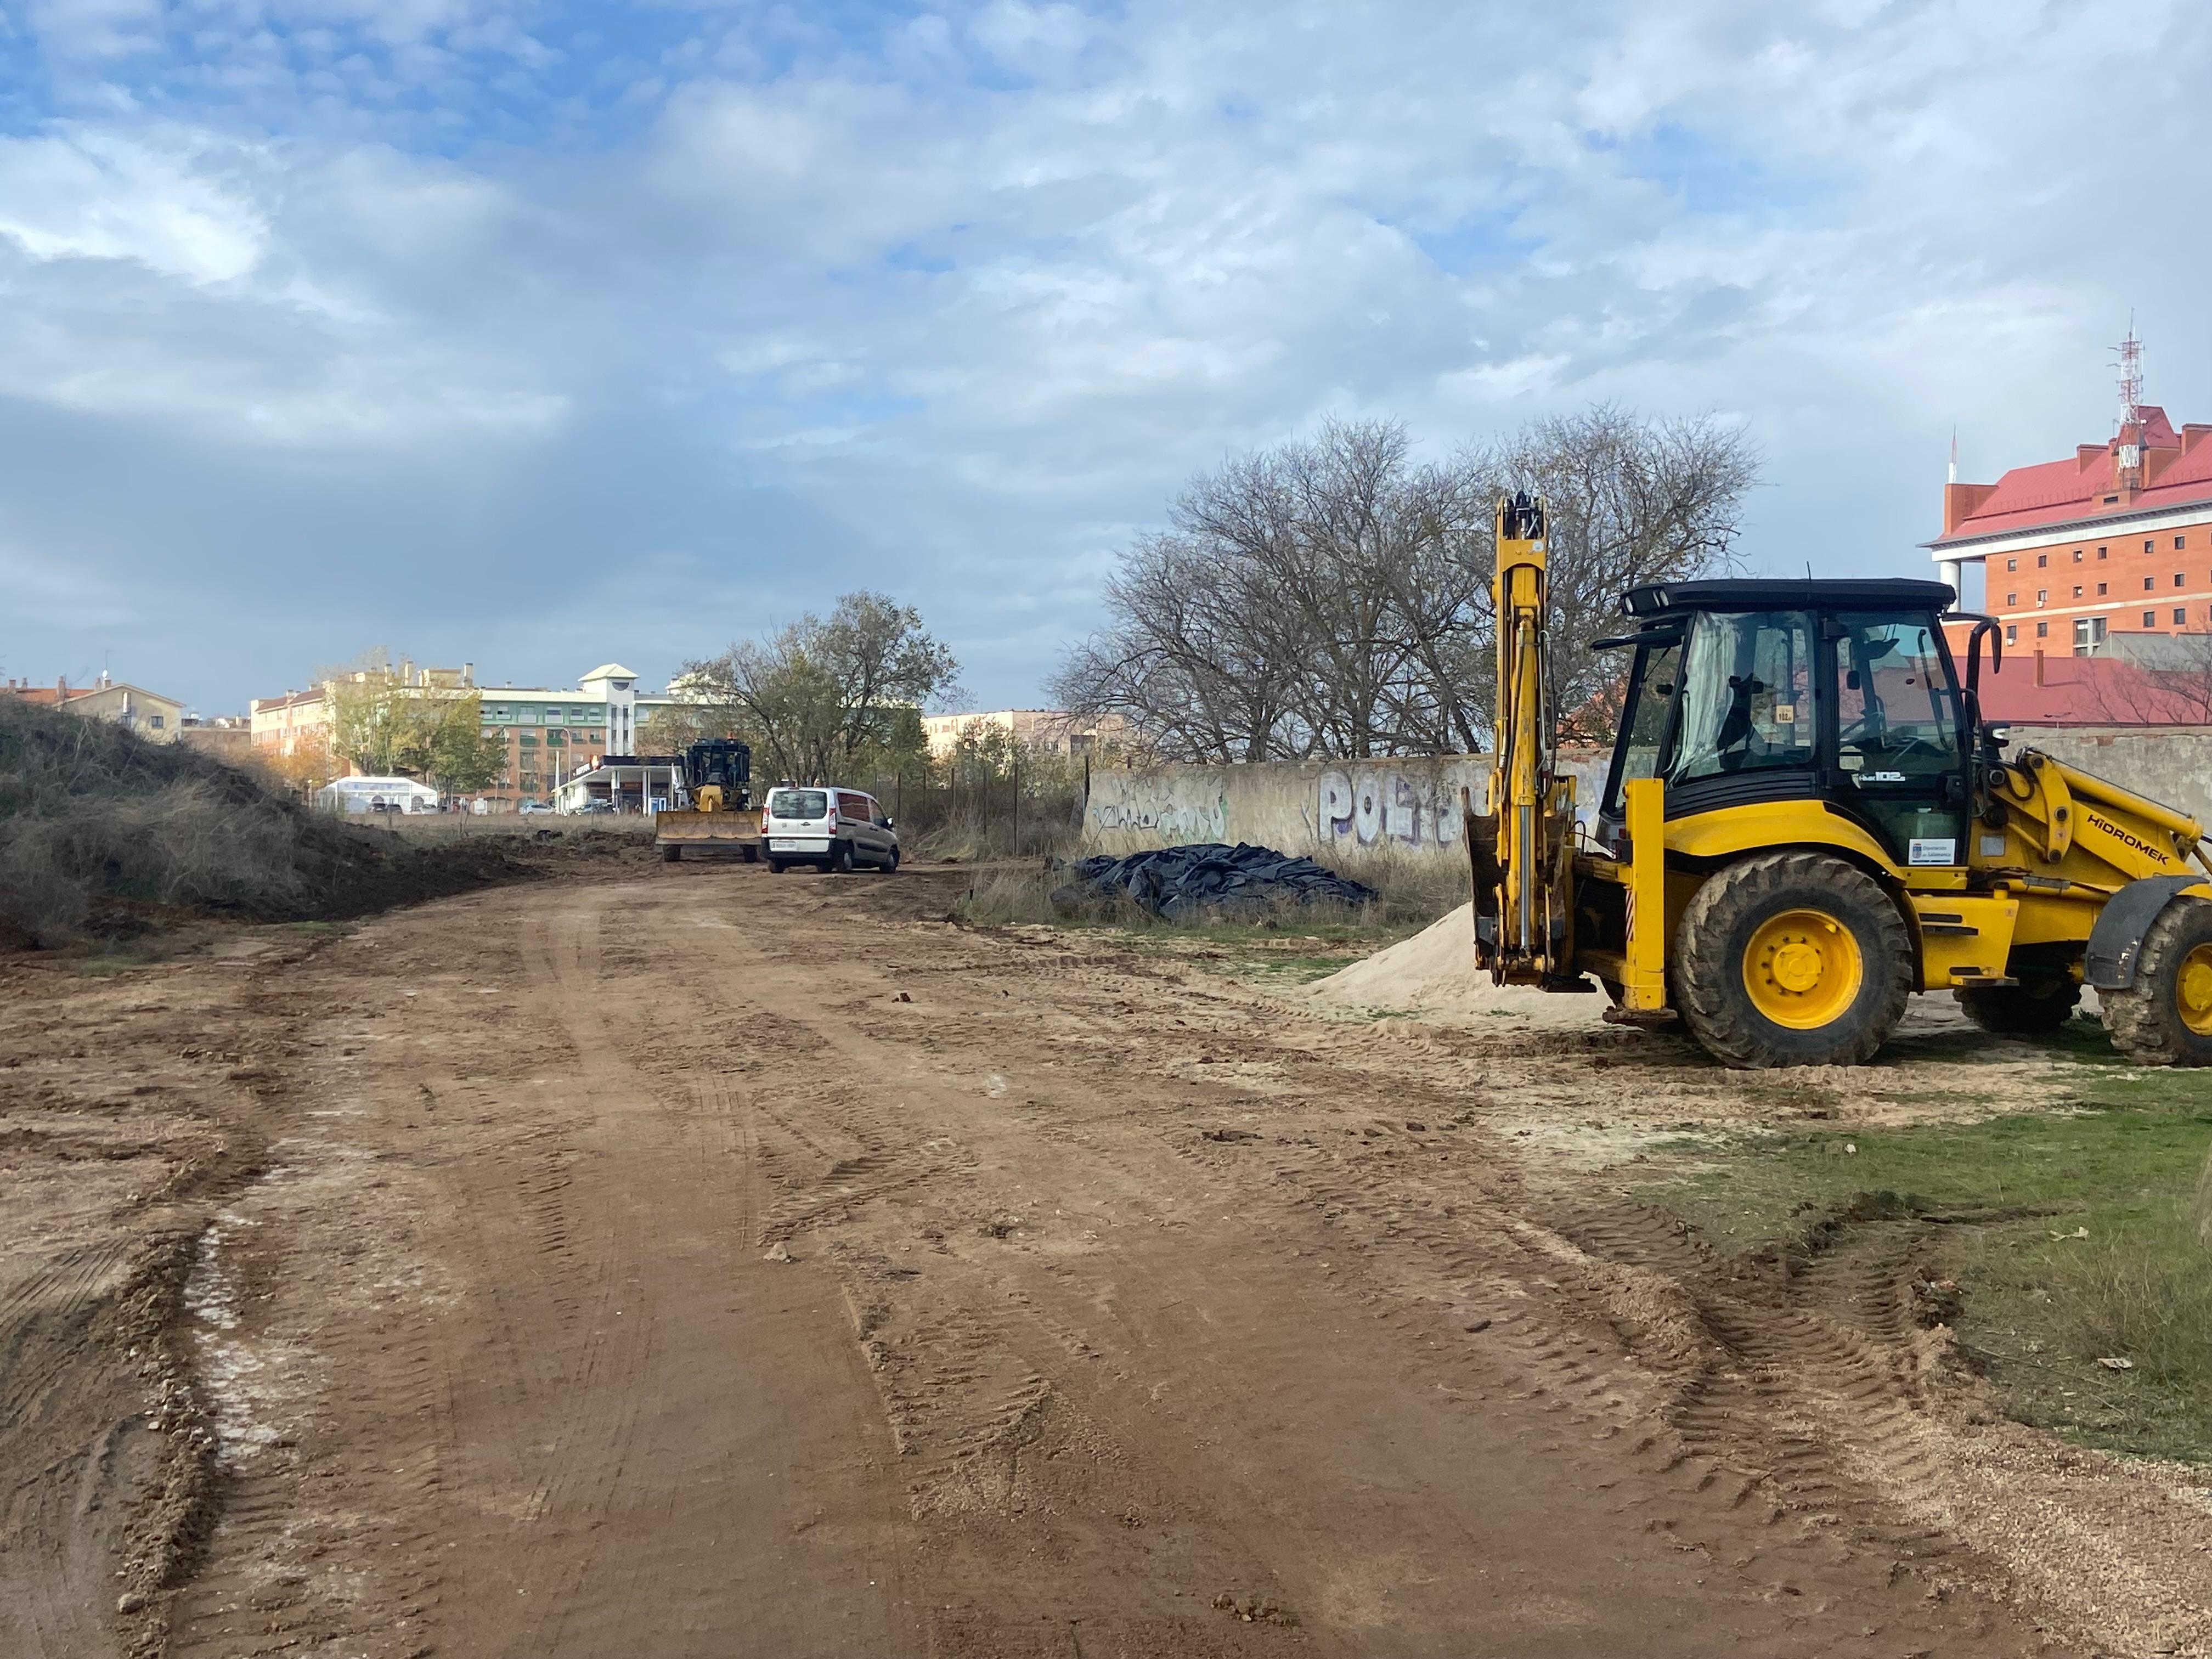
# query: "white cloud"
{"type": "Point", "coordinates": [963, 302]}
{"type": "Point", "coordinates": [80, 193]}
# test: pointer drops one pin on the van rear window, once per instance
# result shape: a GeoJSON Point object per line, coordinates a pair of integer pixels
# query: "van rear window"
{"type": "Point", "coordinates": [798, 804]}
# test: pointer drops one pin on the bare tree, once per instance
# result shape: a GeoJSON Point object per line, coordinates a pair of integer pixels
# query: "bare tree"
{"type": "Point", "coordinates": [1333, 597]}
{"type": "Point", "coordinates": [1629, 502]}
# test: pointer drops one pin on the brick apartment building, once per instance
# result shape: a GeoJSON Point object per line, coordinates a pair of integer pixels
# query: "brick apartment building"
{"type": "Point", "coordinates": [2114, 541]}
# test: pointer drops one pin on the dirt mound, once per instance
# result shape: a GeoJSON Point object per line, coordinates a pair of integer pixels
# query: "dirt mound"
{"type": "Point", "coordinates": [1434, 973]}
{"type": "Point", "coordinates": [103, 832]}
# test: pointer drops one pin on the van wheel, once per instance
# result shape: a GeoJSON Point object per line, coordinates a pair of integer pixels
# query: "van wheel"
{"type": "Point", "coordinates": [749, 854]}
{"type": "Point", "coordinates": [2032, 1008]}
{"type": "Point", "coordinates": [890, 863]}
{"type": "Point", "coordinates": [1791, 959]}
{"type": "Point", "coordinates": [777, 866]}
{"type": "Point", "coordinates": [840, 859]}
{"type": "Point", "coordinates": [2165, 1018]}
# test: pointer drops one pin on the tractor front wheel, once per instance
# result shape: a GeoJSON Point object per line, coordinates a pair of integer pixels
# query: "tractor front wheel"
{"type": "Point", "coordinates": [1791, 959]}
{"type": "Point", "coordinates": [2165, 1018]}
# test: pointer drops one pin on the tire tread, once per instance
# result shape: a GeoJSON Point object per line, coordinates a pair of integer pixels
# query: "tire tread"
{"type": "Point", "coordinates": [1708, 986]}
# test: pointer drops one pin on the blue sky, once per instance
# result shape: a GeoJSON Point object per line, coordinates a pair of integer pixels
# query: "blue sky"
{"type": "Point", "coordinates": [535, 335]}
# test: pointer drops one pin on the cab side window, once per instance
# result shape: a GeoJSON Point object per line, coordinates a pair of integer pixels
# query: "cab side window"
{"type": "Point", "coordinates": [1746, 694]}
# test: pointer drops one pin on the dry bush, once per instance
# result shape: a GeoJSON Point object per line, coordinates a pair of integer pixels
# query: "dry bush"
{"type": "Point", "coordinates": [99, 826]}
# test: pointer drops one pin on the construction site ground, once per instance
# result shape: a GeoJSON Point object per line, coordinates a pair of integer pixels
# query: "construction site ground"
{"type": "Point", "coordinates": [685, 1260]}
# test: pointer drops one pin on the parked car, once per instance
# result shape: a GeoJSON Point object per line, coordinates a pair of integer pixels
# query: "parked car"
{"type": "Point", "coordinates": [606, 807]}
{"type": "Point", "coordinates": [829, 828]}
{"type": "Point", "coordinates": [530, 806]}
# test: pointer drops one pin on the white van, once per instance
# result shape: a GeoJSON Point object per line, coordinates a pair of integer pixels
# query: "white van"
{"type": "Point", "coordinates": [829, 828]}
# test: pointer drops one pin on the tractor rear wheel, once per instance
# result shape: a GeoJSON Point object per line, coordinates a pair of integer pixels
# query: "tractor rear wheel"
{"type": "Point", "coordinates": [2032, 1008]}
{"type": "Point", "coordinates": [1791, 959]}
{"type": "Point", "coordinates": [671, 854]}
{"type": "Point", "coordinates": [2165, 1018]}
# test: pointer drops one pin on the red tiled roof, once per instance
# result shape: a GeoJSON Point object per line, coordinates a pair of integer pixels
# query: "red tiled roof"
{"type": "Point", "coordinates": [2057, 492]}
{"type": "Point", "coordinates": [2092, 691]}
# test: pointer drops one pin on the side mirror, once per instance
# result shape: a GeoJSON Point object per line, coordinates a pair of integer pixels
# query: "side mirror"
{"type": "Point", "coordinates": [888, 825]}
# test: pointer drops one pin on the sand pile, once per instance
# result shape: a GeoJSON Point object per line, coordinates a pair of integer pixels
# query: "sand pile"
{"type": "Point", "coordinates": [1434, 972]}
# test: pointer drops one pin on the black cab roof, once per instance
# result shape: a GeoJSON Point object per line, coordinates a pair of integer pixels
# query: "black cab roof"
{"type": "Point", "coordinates": [1765, 594]}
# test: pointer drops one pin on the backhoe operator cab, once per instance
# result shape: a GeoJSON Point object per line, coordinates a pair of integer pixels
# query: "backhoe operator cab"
{"type": "Point", "coordinates": [1842, 693]}
{"type": "Point", "coordinates": [1806, 821]}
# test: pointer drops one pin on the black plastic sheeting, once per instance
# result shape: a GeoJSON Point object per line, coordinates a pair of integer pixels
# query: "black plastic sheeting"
{"type": "Point", "coordinates": [1184, 883]}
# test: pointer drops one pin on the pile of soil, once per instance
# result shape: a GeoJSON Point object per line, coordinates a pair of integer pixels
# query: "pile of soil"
{"type": "Point", "coordinates": [105, 834]}
{"type": "Point", "coordinates": [1434, 973]}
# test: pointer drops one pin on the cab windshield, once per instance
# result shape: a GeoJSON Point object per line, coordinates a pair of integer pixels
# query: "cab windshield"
{"type": "Point", "coordinates": [1897, 712]}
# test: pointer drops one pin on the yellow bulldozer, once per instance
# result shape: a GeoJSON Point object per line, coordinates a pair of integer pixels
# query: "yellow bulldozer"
{"type": "Point", "coordinates": [713, 810]}
{"type": "Point", "coordinates": [1807, 820]}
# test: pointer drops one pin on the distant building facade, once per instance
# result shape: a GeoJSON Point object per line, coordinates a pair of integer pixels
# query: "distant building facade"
{"type": "Point", "coordinates": [148, 714]}
{"type": "Point", "coordinates": [1045, 728]}
{"type": "Point", "coordinates": [2115, 540]}
{"type": "Point", "coordinates": [552, 734]}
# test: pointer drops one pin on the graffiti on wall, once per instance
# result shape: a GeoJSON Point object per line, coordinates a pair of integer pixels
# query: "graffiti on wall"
{"type": "Point", "coordinates": [1378, 805]}
{"type": "Point", "coordinates": [1175, 825]}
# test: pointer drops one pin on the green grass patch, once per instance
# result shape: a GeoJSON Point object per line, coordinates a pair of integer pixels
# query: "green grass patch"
{"type": "Point", "coordinates": [2072, 1234]}
{"type": "Point", "coordinates": [108, 963]}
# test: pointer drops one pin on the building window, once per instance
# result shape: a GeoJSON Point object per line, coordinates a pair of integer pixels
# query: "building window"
{"type": "Point", "coordinates": [154, 720]}
{"type": "Point", "coordinates": [2012, 564]}
{"type": "Point", "coordinates": [2180, 615]}
{"type": "Point", "coordinates": [554, 739]}
{"type": "Point", "coordinates": [2089, 635]}
{"type": "Point", "coordinates": [2043, 596]}
{"type": "Point", "coordinates": [2150, 547]}
{"type": "Point", "coordinates": [2012, 599]}
{"type": "Point", "coordinates": [528, 741]}
{"type": "Point", "coordinates": [2077, 555]}
{"type": "Point", "coordinates": [2150, 619]}
{"type": "Point", "coordinates": [527, 716]}
{"type": "Point", "coordinates": [2149, 582]}
{"type": "Point", "coordinates": [2012, 633]}
{"type": "Point", "coordinates": [2101, 552]}
{"type": "Point", "coordinates": [2041, 560]}
{"type": "Point", "coordinates": [2176, 579]}
{"type": "Point", "coordinates": [2180, 542]}
{"type": "Point", "coordinates": [2043, 630]}
{"type": "Point", "coordinates": [2100, 589]}
{"type": "Point", "coordinates": [2077, 590]}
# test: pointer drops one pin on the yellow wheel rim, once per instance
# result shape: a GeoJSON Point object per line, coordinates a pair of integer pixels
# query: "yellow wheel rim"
{"type": "Point", "coordinates": [1802, 970]}
{"type": "Point", "coordinates": [2192, 990]}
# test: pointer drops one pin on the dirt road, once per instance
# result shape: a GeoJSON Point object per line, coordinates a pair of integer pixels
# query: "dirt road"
{"type": "Point", "coordinates": [694, 1262]}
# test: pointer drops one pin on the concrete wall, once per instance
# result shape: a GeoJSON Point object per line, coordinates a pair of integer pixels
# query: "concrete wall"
{"type": "Point", "coordinates": [1405, 807]}
{"type": "Point", "coordinates": [2170, 765]}
{"type": "Point", "coordinates": [1409, 807]}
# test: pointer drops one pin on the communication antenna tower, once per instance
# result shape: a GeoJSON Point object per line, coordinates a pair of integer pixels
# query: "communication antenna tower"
{"type": "Point", "coordinates": [2132, 376]}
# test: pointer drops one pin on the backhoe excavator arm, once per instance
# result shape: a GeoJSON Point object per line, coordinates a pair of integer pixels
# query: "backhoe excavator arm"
{"type": "Point", "coordinates": [1521, 850]}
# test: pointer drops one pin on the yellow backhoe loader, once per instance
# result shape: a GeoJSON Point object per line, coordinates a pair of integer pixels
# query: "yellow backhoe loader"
{"type": "Point", "coordinates": [1807, 820]}
{"type": "Point", "coordinates": [712, 808]}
